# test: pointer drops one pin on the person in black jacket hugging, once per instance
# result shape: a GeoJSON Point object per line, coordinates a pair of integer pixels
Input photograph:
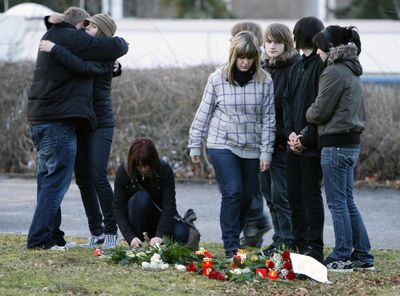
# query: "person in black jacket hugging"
{"type": "Point", "coordinates": [144, 197]}
{"type": "Point", "coordinates": [93, 146]}
{"type": "Point", "coordinates": [304, 174]}
{"type": "Point", "coordinates": [59, 103]}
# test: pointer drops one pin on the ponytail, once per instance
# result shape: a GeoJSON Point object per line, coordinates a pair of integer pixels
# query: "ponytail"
{"type": "Point", "coordinates": [352, 36]}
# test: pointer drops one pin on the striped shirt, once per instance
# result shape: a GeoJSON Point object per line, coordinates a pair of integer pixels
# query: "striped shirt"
{"type": "Point", "coordinates": [241, 119]}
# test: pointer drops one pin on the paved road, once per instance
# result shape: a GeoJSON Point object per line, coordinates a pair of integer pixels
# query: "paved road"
{"type": "Point", "coordinates": [380, 209]}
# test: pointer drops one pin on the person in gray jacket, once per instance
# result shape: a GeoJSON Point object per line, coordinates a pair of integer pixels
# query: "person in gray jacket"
{"type": "Point", "coordinates": [339, 113]}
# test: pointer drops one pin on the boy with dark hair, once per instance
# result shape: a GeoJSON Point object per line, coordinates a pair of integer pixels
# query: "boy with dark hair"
{"type": "Point", "coordinates": [304, 174]}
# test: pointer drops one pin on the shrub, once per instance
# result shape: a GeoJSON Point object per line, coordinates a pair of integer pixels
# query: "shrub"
{"type": "Point", "coordinates": [161, 103]}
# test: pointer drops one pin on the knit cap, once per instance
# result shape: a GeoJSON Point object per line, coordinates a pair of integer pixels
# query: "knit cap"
{"type": "Point", "coordinates": [104, 22]}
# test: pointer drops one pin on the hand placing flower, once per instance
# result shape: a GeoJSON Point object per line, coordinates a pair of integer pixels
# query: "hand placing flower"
{"type": "Point", "coordinates": [156, 241]}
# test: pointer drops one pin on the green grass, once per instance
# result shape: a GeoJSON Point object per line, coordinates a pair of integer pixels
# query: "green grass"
{"type": "Point", "coordinates": [78, 272]}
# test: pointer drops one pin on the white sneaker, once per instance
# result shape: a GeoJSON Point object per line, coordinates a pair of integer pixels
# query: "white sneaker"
{"type": "Point", "coordinates": [94, 241]}
{"type": "Point", "coordinates": [58, 248]}
{"type": "Point", "coordinates": [71, 245]}
{"type": "Point", "coordinates": [110, 241]}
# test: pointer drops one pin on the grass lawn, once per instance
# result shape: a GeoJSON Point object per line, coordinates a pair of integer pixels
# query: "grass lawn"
{"type": "Point", "coordinates": [78, 272]}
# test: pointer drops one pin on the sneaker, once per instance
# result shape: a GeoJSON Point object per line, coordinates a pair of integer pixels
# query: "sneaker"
{"type": "Point", "coordinates": [338, 265]}
{"type": "Point", "coordinates": [269, 252]}
{"type": "Point", "coordinates": [94, 241]}
{"type": "Point", "coordinates": [58, 248]}
{"type": "Point", "coordinates": [70, 245]}
{"type": "Point", "coordinates": [253, 235]}
{"type": "Point", "coordinates": [361, 266]}
{"type": "Point", "coordinates": [316, 253]}
{"type": "Point", "coordinates": [110, 241]}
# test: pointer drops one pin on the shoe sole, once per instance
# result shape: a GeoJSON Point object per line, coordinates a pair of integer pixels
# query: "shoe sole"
{"type": "Point", "coordinates": [372, 268]}
{"type": "Point", "coordinates": [341, 270]}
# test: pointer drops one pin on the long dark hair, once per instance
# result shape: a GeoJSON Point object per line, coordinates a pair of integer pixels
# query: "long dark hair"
{"type": "Point", "coordinates": [143, 152]}
{"type": "Point", "coordinates": [333, 36]}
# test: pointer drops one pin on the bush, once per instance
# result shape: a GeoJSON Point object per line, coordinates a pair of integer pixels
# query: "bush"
{"type": "Point", "coordinates": [161, 103]}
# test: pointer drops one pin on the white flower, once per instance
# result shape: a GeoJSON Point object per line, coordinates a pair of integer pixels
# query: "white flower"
{"type": "Point", "coordinates": [130, 254]}
{"type": "Point", "coordinates": [180, 267]}
{"type": "Point", "coordinates": [246, 270]}
{"type": "Point", "coordinates": [156, 258]}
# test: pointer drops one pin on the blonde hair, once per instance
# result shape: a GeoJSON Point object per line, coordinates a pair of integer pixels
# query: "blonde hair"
{"type": "Point", "coordinates": [279, 33]}
{"type": "Point", "coordinates": [244, 45]}
{"type": "Point", "coordinates": [75, 15]}
{"type": "Point", "coordinates": [249, 26]}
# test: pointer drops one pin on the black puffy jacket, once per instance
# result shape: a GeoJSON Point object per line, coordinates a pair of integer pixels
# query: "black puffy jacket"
{"type": "Point", "coordinates": [59, 93]}
{"type": "Point", "coordinates": [102, 72]}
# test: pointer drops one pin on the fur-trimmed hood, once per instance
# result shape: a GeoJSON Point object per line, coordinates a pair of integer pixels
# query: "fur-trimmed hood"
{"type": "Point", "coordinates": [286, 56]}
{"type": "Point", "coordinates": [346, 54]}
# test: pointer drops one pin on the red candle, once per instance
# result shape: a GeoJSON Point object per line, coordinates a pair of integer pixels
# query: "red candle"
{"type": "Point", "coordinates": [207, 265]}
{"type": "Point", "coordinates": [262, 272]}
{"type": "Point", "coordinates": [273, 275]}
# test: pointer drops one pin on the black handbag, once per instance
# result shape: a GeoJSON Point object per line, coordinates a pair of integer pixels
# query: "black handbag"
{"type": "Point", "coordinates": [188, 219]}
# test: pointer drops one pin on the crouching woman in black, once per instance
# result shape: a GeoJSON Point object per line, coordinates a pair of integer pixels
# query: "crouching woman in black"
{"type": "Point", "coordinates": [144, 197]}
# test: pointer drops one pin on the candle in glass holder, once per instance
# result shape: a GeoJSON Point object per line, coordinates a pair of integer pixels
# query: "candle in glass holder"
{"type": "Point", "coordinates": [262, 272]}
{"type": "Point", "coordinates": [207, 265]}
{"type": "Point", "coordinates": [273, 275]}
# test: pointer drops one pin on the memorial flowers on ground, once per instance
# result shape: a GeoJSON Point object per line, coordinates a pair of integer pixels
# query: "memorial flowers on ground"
{"type": "Point", "coordinates": [244, 266]}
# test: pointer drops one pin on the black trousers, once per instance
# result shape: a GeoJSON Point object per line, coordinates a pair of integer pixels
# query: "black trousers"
{"type": "Point", "coordinates": [304, 178]}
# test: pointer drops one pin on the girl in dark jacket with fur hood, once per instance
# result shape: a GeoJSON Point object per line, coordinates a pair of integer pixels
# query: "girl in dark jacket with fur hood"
{"type": "Point", "coordinates": [339, 112]}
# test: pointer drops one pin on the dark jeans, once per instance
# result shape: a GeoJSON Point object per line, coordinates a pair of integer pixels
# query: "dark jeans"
{"type": "Point", "coordinates": [91, 177]}
{"type": "Point", "coordinates": [351, 237]}
{"type": "Point", "coordinates": [237, 180]}
{"type": "Point", "coordinates": [304, 176]}
{"type": "Point", "coordinates": [144, 217]}
{"type": "Point", "coordinates": [56, 149]}
{"type": "Point", "coordinates": [274, 189]}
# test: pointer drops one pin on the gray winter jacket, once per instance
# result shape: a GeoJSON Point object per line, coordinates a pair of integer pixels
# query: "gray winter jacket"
{"type": "Point", "coordinates": [339, 107]}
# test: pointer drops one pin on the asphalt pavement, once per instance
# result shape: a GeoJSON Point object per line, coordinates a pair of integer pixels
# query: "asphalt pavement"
{"type": "Point", "coordinates": [379, 207]}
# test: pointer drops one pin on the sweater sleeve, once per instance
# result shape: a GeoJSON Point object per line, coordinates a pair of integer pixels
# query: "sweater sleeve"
{"type": "Point", "coordinates": [120, 204]}
{"type": "Point", "coordinates": [268, 127]}
{"type": "Point", "coordinates": [168, 203]}
{"type": "Point", "coordinates": [199, 128]}
{"type": "Point", "coordinates": [330, 90]}
{"type": "Point", "coordinates": [76, 64]}
{"type": "Point", "coordinates": [287, 103]}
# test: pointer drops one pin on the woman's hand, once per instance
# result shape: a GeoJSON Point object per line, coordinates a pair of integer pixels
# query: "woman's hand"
{"type": "Point", "coordinates": [115, 66]}
{"type": "Point", "coordinates": [264, 165]}
{"type": "Point", "coordinates": [136, 243]}
{"type": "Point", "coordinates": [294, 142]}
{"type": "Point", "coordinates": [46, 45]}
{"type": "Point", "coordinates": [56, 18]}
{"type": "Point", "coordinates": [156, 241]}
{"type": "Point", "coordinates": [196, 160]}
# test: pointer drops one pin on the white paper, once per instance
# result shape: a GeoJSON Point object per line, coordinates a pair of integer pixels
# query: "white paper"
{"type": "Point", "coordinates": [310, 267]}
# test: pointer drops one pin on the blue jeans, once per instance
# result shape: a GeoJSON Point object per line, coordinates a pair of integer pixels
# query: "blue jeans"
{"type": "Point", "coordinates": [56, 148]}
{"type": "Point", "coordinates": [274, 189]}
{"type": "Point", "coordinates": [144, 217]}
{"type": "Point", "coordinates": [91, 177]}
{"type": "Point", "coordinates": [237, 180]}
{"type": "Point", "coordinates": [350, 233]}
